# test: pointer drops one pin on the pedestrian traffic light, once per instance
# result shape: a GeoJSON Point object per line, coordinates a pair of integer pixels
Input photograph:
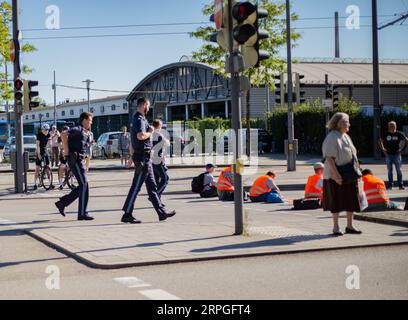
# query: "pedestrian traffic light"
{"type": "Point", "coordinates": [280, 92]}
{"type": "Point", "coordinates": [18, 90]}
{"type": "Point", "coordinates": [29, 104]}
{"type": "Point", "coordinates": [336, 96]}
{"type": "Point", "coordinates": [247, 33]}
{"type": "Point", "coordinates": [299, 89]}
{"type": "Point", "coordinates": [220, 18]}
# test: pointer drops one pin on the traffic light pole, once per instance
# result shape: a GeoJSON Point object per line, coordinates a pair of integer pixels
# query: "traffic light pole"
{"type": "Point", "coordinates": [291, 130]}
{"type": "Point", "coordinates": [18, 109]}
{"type": "Point", "coordinates": [236, 126]}
{"type": "Point", "coordinates": [376, 83]}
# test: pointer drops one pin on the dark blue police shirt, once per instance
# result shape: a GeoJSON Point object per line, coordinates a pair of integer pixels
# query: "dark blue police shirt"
{"type": "Point", "coordinates": [78, 141]}
{"type": "Point", "coordinates": [140, 125]}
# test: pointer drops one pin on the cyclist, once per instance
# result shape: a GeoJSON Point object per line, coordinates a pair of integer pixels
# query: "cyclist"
{"type": "Point", "coordinates": [63, 161]}
{"type": "Point", "coordinates": [43, 137]}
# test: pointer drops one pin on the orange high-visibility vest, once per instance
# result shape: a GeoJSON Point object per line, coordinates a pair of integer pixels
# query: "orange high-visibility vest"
{"type": "Point", "coordinates": [225, 180]}
{"type": "Point", "coordinates": [311, 191]}
{"type": "Point", "coordinates": [375, 190]}
{"type": "Point", "coordinates": [260, 187]}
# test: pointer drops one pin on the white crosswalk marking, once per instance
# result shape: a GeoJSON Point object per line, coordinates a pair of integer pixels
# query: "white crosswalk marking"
{"type": "Point", "coordinates": [132, 282]}
{"type": "Point", "coordinates": [158, 294]}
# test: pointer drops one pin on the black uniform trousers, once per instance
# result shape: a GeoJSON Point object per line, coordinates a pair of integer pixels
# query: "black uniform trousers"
{"type": "Point", "coordinates": [78, 168]}
{"type": "Point", "coordinates": [143, 174]}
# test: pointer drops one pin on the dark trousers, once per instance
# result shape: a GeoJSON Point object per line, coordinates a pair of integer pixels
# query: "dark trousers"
{"type": "Point", "coordinates": [161, 177]}
{"type": "Point", "coordinates": [209, 193]}
{"type": "Point", "coordinates": [82, 191]}
{"type": "Point", "coordinates": [144, 175]}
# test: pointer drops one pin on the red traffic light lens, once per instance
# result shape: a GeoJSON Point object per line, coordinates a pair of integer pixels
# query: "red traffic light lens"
{"type": "Point", "coordinates": [242, 11]}
{"type": "Point", "coordinates": [18, 84]}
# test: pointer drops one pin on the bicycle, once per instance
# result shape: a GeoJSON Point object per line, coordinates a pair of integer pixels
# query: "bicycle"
{"type": "Point", "coordinates": [69, 178]}
{"type": "Point", "coordinates": [45, 176]}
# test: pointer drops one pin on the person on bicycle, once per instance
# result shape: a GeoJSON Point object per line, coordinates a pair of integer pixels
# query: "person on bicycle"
{"type": "Point", "coordinates": [63, 160]}
{"type": "Point", "coordinates": [75, 143]}
{"type": "Point", "coordinates": [43, 137]}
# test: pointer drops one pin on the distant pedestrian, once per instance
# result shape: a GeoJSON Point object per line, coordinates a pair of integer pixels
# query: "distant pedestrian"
{"type": "Point", "coordinates": [393, 144]}
{"type": "Point", "coordinates": [160, 145]}
{"type": "Point", "coordinates": [55, 135]}
{"type": "Point", "coordinates": [140, 151]}
{"type": "Point", "coordinates": [89, 150]}
{"type": "Point", "coordinates": [341, 174]}
{"type": "Point", "coordinates": [123, 146]}
{"type": "Point", "coordinates": [76, 145]}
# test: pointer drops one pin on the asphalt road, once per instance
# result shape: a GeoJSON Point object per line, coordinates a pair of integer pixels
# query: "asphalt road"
{"type": "Point", "coordinates": [382, 274]}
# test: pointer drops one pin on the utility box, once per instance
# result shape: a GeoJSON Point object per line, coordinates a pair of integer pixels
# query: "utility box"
{"type": "Point", "coordinates": [13, 160]}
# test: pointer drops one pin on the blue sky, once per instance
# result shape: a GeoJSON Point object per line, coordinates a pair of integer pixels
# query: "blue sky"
{"type": "Point", "coordinates": [119, 63]}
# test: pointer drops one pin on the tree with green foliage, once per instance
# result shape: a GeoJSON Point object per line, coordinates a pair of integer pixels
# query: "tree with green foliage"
{"type": "Point", "coordinates": [6, 88]}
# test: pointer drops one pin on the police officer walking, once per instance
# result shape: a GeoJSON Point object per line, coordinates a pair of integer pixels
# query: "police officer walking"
{"type": "Point", "coordinates": [75, 144]}
{"type": "Point", "coordinates": [141, 147]}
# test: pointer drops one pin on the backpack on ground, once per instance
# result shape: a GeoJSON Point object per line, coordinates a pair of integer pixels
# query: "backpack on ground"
{"type": "Point", "coordinates": [197, 185]}
{"type": "Point", "coordinates": [307, 204]}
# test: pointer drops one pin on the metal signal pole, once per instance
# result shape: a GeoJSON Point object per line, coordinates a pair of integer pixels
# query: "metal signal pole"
{"type": "Point", "coordinates": [376, 83]}
{"type": "Point", "coordinates": [18, 108]}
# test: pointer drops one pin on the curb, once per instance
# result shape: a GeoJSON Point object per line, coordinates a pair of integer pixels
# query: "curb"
{"type": "Point", "coordinates": [376, 219]}
{"type": "Point", "coordinates": [94, 265]}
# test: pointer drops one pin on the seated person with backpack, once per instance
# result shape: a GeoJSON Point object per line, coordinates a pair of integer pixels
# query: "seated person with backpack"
{"type": "Point", "coordinates": [205, 183]}
{"type": "Point", "coordinates": [376, 193]}
{"type": "Point", "coordinates": [264, 189]}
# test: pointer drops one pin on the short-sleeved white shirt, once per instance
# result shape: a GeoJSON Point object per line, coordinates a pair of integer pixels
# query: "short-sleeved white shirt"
{"type": "Point", "coordinates": [339, 146]}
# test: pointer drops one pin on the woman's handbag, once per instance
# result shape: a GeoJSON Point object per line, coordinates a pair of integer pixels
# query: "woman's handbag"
{"type": "Point", "coordinates": [350, 172]}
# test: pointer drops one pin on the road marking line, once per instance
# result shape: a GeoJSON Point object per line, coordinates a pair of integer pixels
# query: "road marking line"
{"type": "Point", "coordinates": [132, 282]}
{"type": "Point", "coordinates": [158, 294]}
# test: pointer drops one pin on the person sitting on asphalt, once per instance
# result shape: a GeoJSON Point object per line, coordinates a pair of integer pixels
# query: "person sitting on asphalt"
{"type": "Point", "coordinates": [314, 186]}
{"type": "Point", "coordinates": [225, 185]}
{"type": "Point", "coordinates": [209, 182]}
{"type": "Point", "coordinates": [264, 189]}
{"type": "Point", "coordinates": [376, 193]}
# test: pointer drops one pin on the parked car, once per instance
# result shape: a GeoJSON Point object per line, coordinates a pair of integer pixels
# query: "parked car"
{"type": "Point", "coordinates": [107, 145]}
{"type": "Point", "coordinates": [264, 140]}
{"type": "Point", "coordinates": [29, 146]}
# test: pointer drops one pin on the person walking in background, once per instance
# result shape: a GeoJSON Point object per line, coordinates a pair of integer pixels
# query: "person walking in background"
{"type": "Point", "coordinates": [160, 143]}
{"type": "Point", "coordinates": [341, 174]}
{"type": "Point", "coordinates": [63, 160]}
{"type": "Point", "coordinates": [89, 150]}
{"type": "Point", "coordinates": [55, 135]}
{"type": "Point", "coordinates": [123, 146]}
{"type": "Point", "coordinates": [393, 144]}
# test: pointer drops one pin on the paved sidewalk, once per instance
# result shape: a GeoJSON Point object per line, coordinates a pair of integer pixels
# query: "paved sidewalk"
{"type": "Point", "coordinates": [202, 230]}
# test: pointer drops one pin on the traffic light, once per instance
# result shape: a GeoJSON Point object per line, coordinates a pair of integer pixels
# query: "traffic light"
{"type": "Point", "coordinates": [220, 18]}
{"type": "Point", "coordinates": [18, 90]}
{"type": "Point", "coordinates": [29, 104]}
{"type": "Point", "coordinates": [280, 92]}
{"type": "Point", "coordinates": [247, 33]}
{"type": "Point", "coordinates": [335, 96]}
{"type": "Point", "coordinates": [299, 89]}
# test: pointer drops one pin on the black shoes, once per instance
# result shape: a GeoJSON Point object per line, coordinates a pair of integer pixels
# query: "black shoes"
{"type": "Point", "coordinates": [130, 220]}
{"type": "Point", "coordinates": [61, 208]}
{"type": "Point", "coordinates": [353, 231]}
{"type": "Point", "coordinates": [85, 217]}
{"type": "Point", "coordinates": [167, 215]}
{"type": "Point", "coordinates": [338, 234]}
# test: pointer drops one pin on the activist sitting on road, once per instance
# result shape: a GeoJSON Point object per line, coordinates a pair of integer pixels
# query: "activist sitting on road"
{"type": "Point", "coordinates": [204, 184]}
{"type": "Point", "coordinates": [314, 186]}
{"type": "Point", "coordinates": [376, 193]}
{"type": "Point", "coordinates": [225, 185]}
{"type": "Point", "coordinates": [264, 189]}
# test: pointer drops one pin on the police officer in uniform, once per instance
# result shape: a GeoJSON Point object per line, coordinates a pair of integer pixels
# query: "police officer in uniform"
{"type": "Point", "coordinates": [75, 144]}
{"type": "Point", "coordinates": [141, 147]}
